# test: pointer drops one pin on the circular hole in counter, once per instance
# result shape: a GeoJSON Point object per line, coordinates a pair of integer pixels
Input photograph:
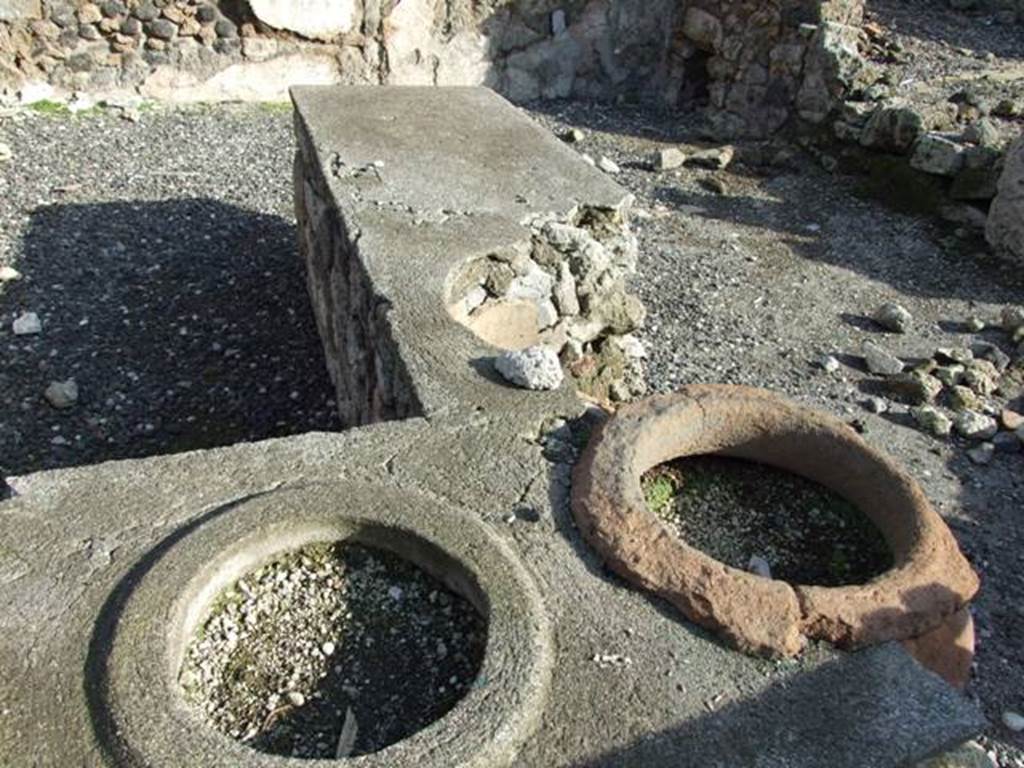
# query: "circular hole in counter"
{"type": "Point", "coordinates": [334, 649]}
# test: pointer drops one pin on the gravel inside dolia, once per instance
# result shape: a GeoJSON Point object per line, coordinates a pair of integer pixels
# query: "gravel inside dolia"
{"type": "Point", "coordinates": [770, 522]}
{"type": "Point", "coordinates": [335, 650]}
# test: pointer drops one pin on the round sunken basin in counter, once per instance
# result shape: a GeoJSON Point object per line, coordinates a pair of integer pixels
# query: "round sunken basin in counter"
{"type": "Point", "coordinates": [138, 705]}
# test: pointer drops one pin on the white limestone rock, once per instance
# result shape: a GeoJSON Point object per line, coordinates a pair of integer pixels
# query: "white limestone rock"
{"type": "Point", "coordinates": [975, 426]}
{"type": "Point", "coordinates": [315, 19]}
{"type": "Point", "coordinates": [535, 367]}
{"type": "Point", "coordinates": [26, 324]}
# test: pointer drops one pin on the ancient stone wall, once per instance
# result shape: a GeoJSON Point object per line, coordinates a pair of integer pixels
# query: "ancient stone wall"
{"type": "Point", "coordinates": [370, 380]}
{"type": "Point", "coordinates": [755, 64]}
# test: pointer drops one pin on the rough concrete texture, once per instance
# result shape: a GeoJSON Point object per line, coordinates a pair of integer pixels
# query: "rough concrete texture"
{"type": "Point", "coordinates": [631, 683]}
{"type": "Point", "coordinates": [930, 579]}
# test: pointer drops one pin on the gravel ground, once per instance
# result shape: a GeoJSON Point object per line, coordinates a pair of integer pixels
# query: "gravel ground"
{"type": "Point", "coordinates": [332, 651]}
{"type": "Point", "coordinates": [752, 275]}
{"type": "Point", "coordinates": [161, 259]}
{"type": "Point", "coordinates": [736, 510]}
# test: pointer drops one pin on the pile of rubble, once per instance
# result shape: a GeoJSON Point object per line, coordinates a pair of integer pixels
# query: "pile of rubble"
{"type": "Point", "coordinates": [966, 390]}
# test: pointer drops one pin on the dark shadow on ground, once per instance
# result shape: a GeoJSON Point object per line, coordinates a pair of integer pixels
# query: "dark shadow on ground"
{"type": "Point", "coordinates": [184, 322]}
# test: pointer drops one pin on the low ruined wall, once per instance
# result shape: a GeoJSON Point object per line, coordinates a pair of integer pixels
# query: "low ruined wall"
{"type": "Point", "coordinates": [757, 65]}
{"type": "Point", "coordinates": [363, 360]}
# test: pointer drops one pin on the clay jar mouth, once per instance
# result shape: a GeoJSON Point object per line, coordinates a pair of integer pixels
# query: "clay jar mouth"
{"type": "Point", "coordinates": [929, 578]}
{"type": "Point", "coordinates": [398, 545]}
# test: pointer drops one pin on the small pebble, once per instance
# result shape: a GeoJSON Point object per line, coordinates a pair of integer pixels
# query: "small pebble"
{"type": "Point", "coordinates": [62, 394]}
{"type": "Point", "coordinates": [26, 324]}
{"type": "Point", "coordinates": [1013, 720]}
{"type": "Point", "coordinates": [829, 364]}
{"type": "Point", "coordinates": [759, 566]}
{"type": "Point", "coordinates": [9, 274]}
{"type": "Point", "coordinates": [296, 698]}
{"type": "Point", "coordinates": [975, 324]}
{"type": "Point", "coordinates": [608, 166]}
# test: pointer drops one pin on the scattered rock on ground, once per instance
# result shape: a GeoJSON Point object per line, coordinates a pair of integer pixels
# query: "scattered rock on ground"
{"type": "Point", "coordinates": [880, 361]}
{"type": "Point", "coordinates": [715, 159]}
{"type": "Point", "coordinates": [608, 165]}
{"type": "Point", "coordinates": [893, 317]}
{"type": "Point", "coordinates": [26, 324]}
{"type": "Point", "coordinates": [932, 420]}
{"type": "Point", "coordinates": [975, 426]}
{"type": "Point", "coordinates": [62, 394]}
{"type": "Point", "coordinates": [916, 387]}
{"type": "Point", "coordinates": [1013, 720]}
{"type": "Point", "coordinates": [9, 274]}
{"type": "Point", "coordinates": [668, 159]}
{"type": "Point", "coordinates": [982, 454]}
{"type": "Point", "coordinates": [536, 367]}
{"type": "Point", "coordinates": [5, 153]}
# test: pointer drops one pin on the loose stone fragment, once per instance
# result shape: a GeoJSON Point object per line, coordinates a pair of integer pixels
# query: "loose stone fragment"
{"type": "Point", "coordinates": [1011, 420]}
{"type": "Point", "coordinates": [893, 317]}
{"type": "Point", "coordinates": [932, 420]}
{"type": "Point", "coordinates": [1012, 318]}
{"type": "Point", "coordinates": [668, 159]}
{"type": "Point", "coordinates": [964, 399]}
{"type": "Point", "coordinates": [959, 355]}
{"type": "Point", "coordinates": [975, 426]}
{"type": "Point", "coordinates": [1006, 442]}
{"type": "Point", "coordinates": [938, 155]}
{"type": "Point", "coordinates": [881, 362]}
{"type": "Point", "coordinates": [62, 394]}
{"type": "Point", "coordinates": [535, 368]}
{"type": "Point", "coordinates": [26, 324]}
{"type": "Point", "coordinates": [715, 159]}
{"type": "Point", "coordinates": [608, 166]}
{"type": "Point", "coordinates": [876, 404]}
{"type": "Point", "coordinates": [5, 152]}
{"type": "Point", "coordinates": [573, 136]}
{"type": "Point", "coordinates": [975, 324]}
{"type": "Point", "coordinates": [1013, 720]}
{"type": "Point", "coordinates": [968, 755]}
{"type": "Point", "coordinates": [758, 565]}
{"type": "Point", "coordinates": [950, 375]}
{"type": "Point", "coordinates": [982, 379]}
{"type": "Point", "coordinates": [917, 387]}
{"type": "Point", "coordinates": [987, 351]}
{"type": "Point", "coordinates": [982, 454]}
{"type": "Point", "coordinates": [9, 274]}
{"type": "Point", "coordinates": [829, 364]}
